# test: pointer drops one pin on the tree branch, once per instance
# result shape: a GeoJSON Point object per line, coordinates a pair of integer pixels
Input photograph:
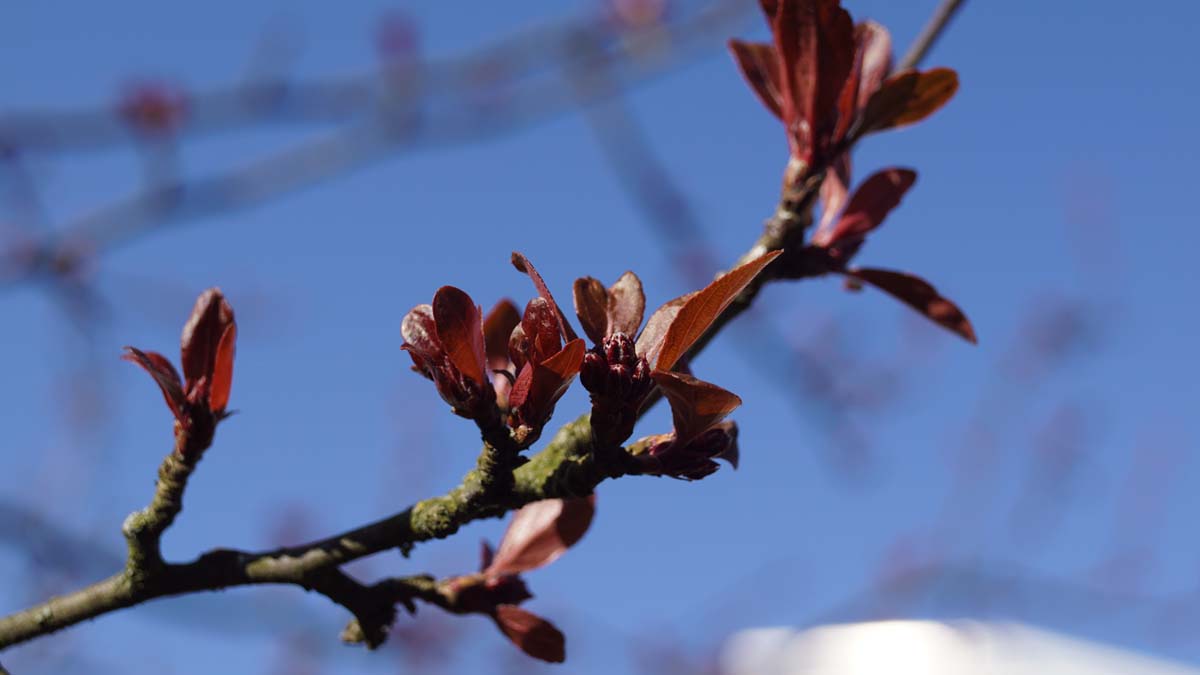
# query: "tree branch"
{"type": "Point", "coordinates": [564, 468]}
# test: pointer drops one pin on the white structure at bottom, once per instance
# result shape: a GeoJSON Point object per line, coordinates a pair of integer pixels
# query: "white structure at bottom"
{"type": "Point", "coordinates": [930, 648]}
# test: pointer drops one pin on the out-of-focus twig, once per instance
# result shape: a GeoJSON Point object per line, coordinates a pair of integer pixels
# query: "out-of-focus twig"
{"type": "Point", "coordinates": [503, 89]}
{"type": "Point", "coordinates": [273, 98]}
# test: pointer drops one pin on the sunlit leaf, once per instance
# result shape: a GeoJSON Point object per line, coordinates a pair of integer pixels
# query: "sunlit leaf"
{"type": "Point", "coordinates": [591, 306]}
{"type": "Point", "coordinates": [540, 385]}
{"type": "Point", "coordinates": [909, 97]}
{"type": "Point", "coordinates": [222, 379]}
{"type": "Point", "coordinates": [460, 330]}
{"type": "Point", "coordinates": [419, 331]}
{"type": "Point", "coordinates": [202, 334]}
{"type": "Point", "coordinates": [696, 405]}
{"type": "Point", "coordinates": [699, 312]}
{"type": "Point", "coordinates": [650, 342]}
{"type": "Point", "coordinates": [626, 305]}
{"type": "Point", "coordinates": [540, 329]}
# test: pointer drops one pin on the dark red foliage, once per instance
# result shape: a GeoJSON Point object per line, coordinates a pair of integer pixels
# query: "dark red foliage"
{"type": "Point", "coordinates": [535, 636]}
{"type": "Point", "coordinates": [523, 265]}
{"type": "Point", "coordinates": [826, 79]}
{"type": "Point", "coordinates": [207, 349]}
{"type": "Point", "coordinates": [921, 296]}
{"type": "Point", "coordinates": [841, 236]}
{"type": "Point", "coordinates": [618, 380]}
{"type": "Point", "coordinates": [540, 384]}
{"type": "Point", "coordinates": [696, 406]}
{"type": "Point", "coordinates": [604, 312]}
{"type": "Point", "coordinates": [446, 343]}
{"type": "Point", "coordinates": [498, 326]}
{"type": "Point", "coordinates": [666, 455]}
{"type": "Point", "coordinates": [908, 98]}
{"type": "Point", "coordinates": [617, 372]}
{"type": "Point", "coordinates": [545, 366]}
{"type": "Point", "coordinates": [538, 534]}
{"type": "Point", "coordinates": [541, 532]}
{"type": "Point", "coordinates": [700, 310]}
{"type": "Point", "coordinates": [866, 210]}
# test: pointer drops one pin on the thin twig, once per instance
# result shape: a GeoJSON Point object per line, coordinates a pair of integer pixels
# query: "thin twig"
{"type": "Point", "coordinates": [933, 30]}
{"type": "Point", "coordinates": [385, 128]}
{"type": "Point", "coordinates": [283, 100]}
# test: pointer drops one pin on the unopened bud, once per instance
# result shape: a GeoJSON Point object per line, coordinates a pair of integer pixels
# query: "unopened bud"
{"type": "Point", "coordinates": [618, 381]}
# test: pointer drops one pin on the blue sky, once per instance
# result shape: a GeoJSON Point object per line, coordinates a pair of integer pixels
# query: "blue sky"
{"type": "Point", "coordinates": [1055, 185]}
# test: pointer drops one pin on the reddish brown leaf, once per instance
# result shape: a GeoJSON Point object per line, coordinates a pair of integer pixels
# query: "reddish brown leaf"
{"type": "Point", "coordinates": [164, 374]}
{"type": "Point", "coordinates": [518, 343]}
{"type": "Point", "coordinates": [591, 306]}
{"type": "Point", "coordinates": [835, 189]}
{"type": "Point", "coordinates": [498, 326]}
{"type": "Point", "coordinates": [759, 64]}
{"type": "Point", "coordinates": [222, 379]}
{"type": "Point", "coordinates": [837, 51]}
{"type": "Point", "coordinates": [847, 107]}
{"type": "Point", "coordinates": [626, 305]}
{"type": "Point", "coordinates": [202, 335]}
{"type": "Point", "coordinates": [868, 206]}
{"type": "Point", "coordinates": [541, 331]}
{"type": "Point", "coordinates": [909, 97]}
{"type": "Point", "coordinates": [534, 635]}
{"type": "Point", "coordinates": [731, 454]}
{"type": "Point", "coordinates": [420, 332]}
{"type": "Point", "coordinates": [565, 364]}
{"type": "Point", "coordinates": [872, 59]}
{"type": "Point", "coordinates": [921, 296]}
{"type": "Point", "coordinates": [522, 385]}
{"type": "Point", "coordinates": [650, 342]}
{"type": "Point", "coordinates": [541, 532]}
{"type": "Point", "coordinates": [523, 264]}
{"type": "Point", "coordinates": [874, 46]}
{"type": "Point", "coordinates": [460, 330]}
{"type": "Point", "coordinates": [696, 406]}
{"type": "Point", "coordinates": [540, 385]}
{"type": "Point", "coordinates": [699, 312]}
{"type": "Point", "coordinates": [795, 27]}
